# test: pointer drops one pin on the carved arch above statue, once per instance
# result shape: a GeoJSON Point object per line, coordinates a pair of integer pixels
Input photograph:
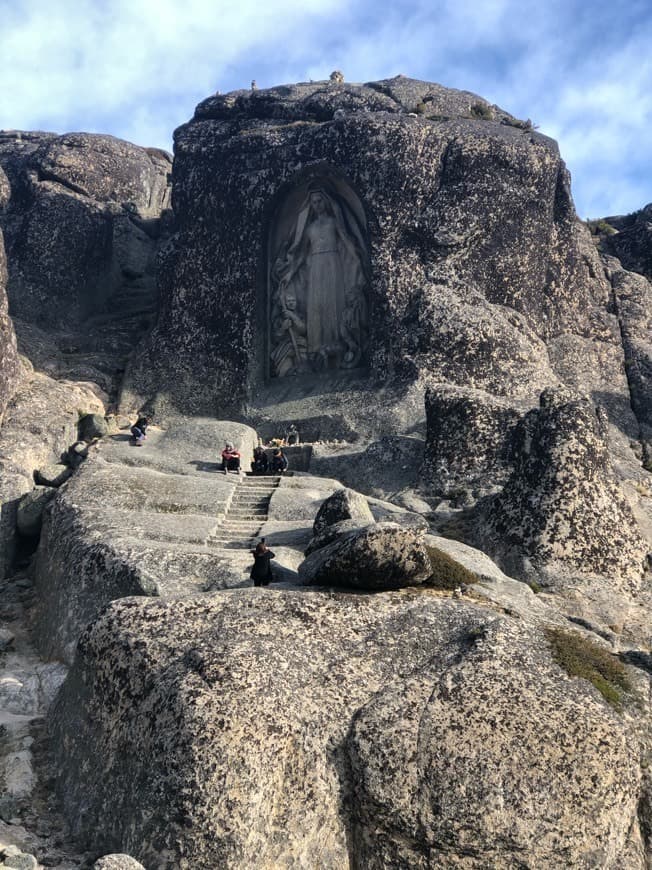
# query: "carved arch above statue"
{"type": "Point", "coordinates": [318, 279]}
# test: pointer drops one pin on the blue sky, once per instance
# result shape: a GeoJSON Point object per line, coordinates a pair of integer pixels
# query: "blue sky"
{"type": "Point", "coordinates": [582, 70]}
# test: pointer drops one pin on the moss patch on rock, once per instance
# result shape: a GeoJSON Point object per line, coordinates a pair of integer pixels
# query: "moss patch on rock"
{"type": "Point", "coordinates": [580, 657]}
{"type": "Point", "coordinates": [447, 573]}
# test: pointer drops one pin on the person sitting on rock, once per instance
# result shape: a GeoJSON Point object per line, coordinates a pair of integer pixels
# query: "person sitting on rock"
{"type": "Point", "coordinates": [139, 430]}
{"type": "Point", "coordinates": [230, 458]}
{"type": "Point", "coordinates": [260, 462]}
{"type": "Point", "coordinates": [261, 570]}
{"type": "Point", "coordinates": [279, 462]}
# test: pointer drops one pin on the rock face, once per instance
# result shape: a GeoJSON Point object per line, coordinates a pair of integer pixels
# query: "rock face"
{"type": "Point", "coordinates": [83, 225]}
{"type": "Point", "coordinates": [381, 556]}
{"type": "Point", "coordinates": [561, 510]}
{"type": "Point", "coordinates": [77, 225]}
{"type": "Point", "coordinates": [9, 365]}
{"type": "Point", "coordinates": [469, 440]}
{"type": "Point", "coordinates": [39, 424]}
{"type": "Point", "coordinates": [389, 740]}
{"type": "Point", "coordinates": [480, 266]}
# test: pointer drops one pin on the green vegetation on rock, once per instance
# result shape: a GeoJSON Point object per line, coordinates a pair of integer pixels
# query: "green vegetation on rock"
{"type": "Point", "coordinates": [580, 657]}
{"type": "Point", "coordinates": [447, 573]}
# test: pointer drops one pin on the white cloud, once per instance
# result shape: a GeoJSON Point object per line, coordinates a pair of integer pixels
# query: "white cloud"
{"type": "Point", "coordinates": [136, 69]}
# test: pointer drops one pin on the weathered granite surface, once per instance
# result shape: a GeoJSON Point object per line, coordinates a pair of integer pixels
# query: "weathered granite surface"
{"type": "Point", "coordinates": [479, 266]}
{"type": "Point", "coordinates": [10, 370]}
{"type": "Point", "coordinates": [267, 728]}
{"type": "Point", "coordinates": [84, 219]}
{"type": "Point", "coordinates": [40, 423]}
{"type": "Point", "coordinates": [561, 511]}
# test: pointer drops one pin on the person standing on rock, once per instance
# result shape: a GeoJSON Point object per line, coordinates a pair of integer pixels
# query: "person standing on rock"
{"type": "Point", "coordinates": [261, 570]}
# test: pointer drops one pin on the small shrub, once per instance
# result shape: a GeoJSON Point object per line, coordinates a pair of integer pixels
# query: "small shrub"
{"type": "Point", "coordinates": [482, 111]}
{"type": "Point", "coordinates": [580, 657]}
{"type": "Point", "coordinates": [600, 227]}
{"type": "Point", "coordinates": [534, 586]}
{"type": "Point", "coordinates": [421, 108]}
{"type": "Point", "coordinates": [447, 573]}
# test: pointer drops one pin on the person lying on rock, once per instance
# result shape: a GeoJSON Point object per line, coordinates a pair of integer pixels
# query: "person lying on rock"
{"type": "Point", "coordinates": [139, 430]}
{"type": "Point", "coordinates": [230, 458]}
{"type": "Point", "coordinates": [261, 570]}
{"type": "Point", "coordinates": [279, 462]}
{"type": "Point", "coordinates": [260, 462]}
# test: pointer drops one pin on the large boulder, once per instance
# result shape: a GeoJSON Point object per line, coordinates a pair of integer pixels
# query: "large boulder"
{"type": "Point", "coordinates": [345, 504]}
{"type": "Point", "coordinates": [481, 264]}
{"type": "Point", "coordinates": [381, 556]}
{"type": "Point", "coordinates": [260, 728]}
{"type": "Point", "coordinates": [561, 511]}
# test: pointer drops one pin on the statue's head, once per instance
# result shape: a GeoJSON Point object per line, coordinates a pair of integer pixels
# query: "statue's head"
{"type": "Point", "coordinates": [319, 202]}
{"type": "Point", "coordinates": [290, 301]}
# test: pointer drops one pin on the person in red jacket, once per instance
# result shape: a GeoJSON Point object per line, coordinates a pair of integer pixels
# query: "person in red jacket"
{"type": "Point", "coordinates": [230, 458]}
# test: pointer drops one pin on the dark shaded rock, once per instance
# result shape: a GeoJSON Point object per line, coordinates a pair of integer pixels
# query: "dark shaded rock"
{"type": "Point", "coordinates": [92, 426]}
{"type": "Point", "coordinates": [77, 453]}
{"type": "Point", "coordinates": [53, 475]}
{"type": "Point", "coordinates": [400, 715]}
{"type": "Point", "coordinates": [632, 244]}
{"type": "Point", "coordinates": [561, 510]}
{"type": "Point", "coordinates": [30, 510]}
{"type": "Point", "coordinates": [632, 295]}
{"type": "Point", "coordinates": [468, 442]}
{"type": "Point", "coordinates": [382, 556]}
{"type": "Point", "coordinates": [345, 504]}
{"type": "Point", "coordinates": [10, 371]}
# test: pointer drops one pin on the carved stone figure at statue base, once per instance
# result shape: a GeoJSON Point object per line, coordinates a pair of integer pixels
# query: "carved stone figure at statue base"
{"type": "Point", "coordinates": [317, 284]}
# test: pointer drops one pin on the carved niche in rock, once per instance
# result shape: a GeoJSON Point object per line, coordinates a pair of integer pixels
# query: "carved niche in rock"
{"type": "Point", "coordinates": [318, 280]}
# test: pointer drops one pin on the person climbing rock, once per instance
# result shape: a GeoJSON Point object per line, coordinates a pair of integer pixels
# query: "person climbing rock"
{"type": "Point", "coordinates": [230, 458]}
{"type": "Point", "coordinates": [139, 430]}
{"type": "Point", "coordinates": [261, 570]}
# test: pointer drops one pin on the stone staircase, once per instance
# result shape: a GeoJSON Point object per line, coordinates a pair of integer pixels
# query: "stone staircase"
{"type": "Point", "coordinates": [246, 513]}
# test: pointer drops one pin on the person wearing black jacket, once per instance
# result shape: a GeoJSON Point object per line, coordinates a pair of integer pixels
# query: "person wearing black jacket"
{"type": "Point", "coordinates": [139, 429]}
{"type": "Point", "coordinates": [261, 570]}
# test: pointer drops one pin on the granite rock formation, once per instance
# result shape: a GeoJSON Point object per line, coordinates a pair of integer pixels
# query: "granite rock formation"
{"type": "Point", "coordinates": [10, 370]}
{"type": "Point", "coordinates": [406, 730]}
{"type": "Point", "coordinates": [561, 510]}
{"type": "Point", "coordinates": [82, 228]}
{"type": "Point", "coordinates": [481, 268]}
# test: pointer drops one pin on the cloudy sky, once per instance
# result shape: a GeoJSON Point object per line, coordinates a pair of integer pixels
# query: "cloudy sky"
{"type": "Point", "coordinates": [580, 70]}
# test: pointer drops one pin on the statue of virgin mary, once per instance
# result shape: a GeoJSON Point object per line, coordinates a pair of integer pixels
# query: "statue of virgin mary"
{"type": "Point", "coordinates": [324, 261]}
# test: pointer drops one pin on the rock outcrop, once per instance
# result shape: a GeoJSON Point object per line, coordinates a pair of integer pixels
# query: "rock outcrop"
{"type": "Point", "coordinates": [561, 511]}
{"type": "Point", "coordinates": [292, 728]}
{"type": "Point", "coordinates": [83, 224]}
{"type": "Point", "coordinates": [40, 423]}
{"type": "Point", "coordinates": [481, 266]}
